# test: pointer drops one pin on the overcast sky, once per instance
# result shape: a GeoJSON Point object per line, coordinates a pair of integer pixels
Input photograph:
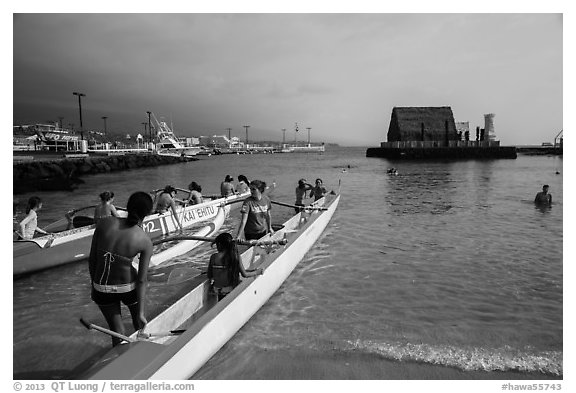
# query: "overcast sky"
{"type": "Point", "coordinates": [339, 74]}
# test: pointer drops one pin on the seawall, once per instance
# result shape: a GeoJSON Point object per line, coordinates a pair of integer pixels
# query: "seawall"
{"type": "Point", "coordinates": [64, 174]}
{"type": "Point", "coordinates": [442, 152]}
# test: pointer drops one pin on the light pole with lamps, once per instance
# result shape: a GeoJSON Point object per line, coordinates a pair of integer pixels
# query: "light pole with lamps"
{"type": "Point", "coordinates": [308, 128]}
{"type": "Point", "coordinates": [80, 95]}
{"type": "Point", "coordinates": [149, 127]}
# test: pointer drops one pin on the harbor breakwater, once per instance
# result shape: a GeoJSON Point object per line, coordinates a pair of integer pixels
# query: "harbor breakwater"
{"type": "Point", "coordinates": [66, 173]}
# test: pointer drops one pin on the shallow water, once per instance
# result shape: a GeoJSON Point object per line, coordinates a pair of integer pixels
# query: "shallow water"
{"type": "Point", "coordinates": [448, 263]}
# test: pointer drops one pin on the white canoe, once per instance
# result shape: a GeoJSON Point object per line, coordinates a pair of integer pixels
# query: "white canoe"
{"type": "Point", "coordinates": [74, 245]}
{"type": "Point", "coordinates": [209, 324]}
{"type": "Point", "coordinates": [184, 246]}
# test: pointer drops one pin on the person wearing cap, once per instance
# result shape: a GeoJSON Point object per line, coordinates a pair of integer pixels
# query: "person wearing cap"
{"type": "Point", "coordinates": [166, 201]}
{"type": "Point", "coordinates": [301, 193]}
{"type": "Point", "coordinates": [543, 198]}
{"type": "Point", "coordinates": [227, 187]}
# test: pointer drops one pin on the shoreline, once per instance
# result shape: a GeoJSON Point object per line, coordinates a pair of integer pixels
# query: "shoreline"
{"type": "Point", "coordinates": [337, 365]}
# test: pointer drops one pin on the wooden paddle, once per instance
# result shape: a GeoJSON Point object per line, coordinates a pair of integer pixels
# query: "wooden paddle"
{"type": "Point", "coordinates": [112, 333]}
{"type": "Point", "coordinates": [212, 239]}
{"type": "Point", "coordinates": [74, 211]}
{"type": "Point", "coordinates": [299, 207]}
{"type": "Point", "coordinates": [147, 335]}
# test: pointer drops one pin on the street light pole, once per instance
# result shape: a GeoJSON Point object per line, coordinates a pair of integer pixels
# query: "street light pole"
{"type": "Point", "coordinates": [80, 95]}
{"type": "Point", "coordinates": [104, 118]}
{"type": "Point", "coordinates": [149, 127]}
{"type": "Point", "coordinates": [246, 134]}
{"type": "Point", "coordinates": [308, 128]}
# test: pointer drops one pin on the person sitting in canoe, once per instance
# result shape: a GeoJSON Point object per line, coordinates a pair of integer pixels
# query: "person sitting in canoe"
{"type": "Point", "coordinates": [301, 193]}
{"type": "Point", "coordinates": [225, 266]}
{"type": "Point", "coordinates": [195, 196]}
{"type": "Point", "coordinates": [116, 242]}
{"type": "Point", "coordinates": [226, 187]}
{"type": "Point", "coordinates": [256, 213]}
{"type": "Point", "coordinates": [318, 191]}
{"type": "Point", "coordinates": [166, 200]}
{"type": "Point", "coordinates": [243, 184]}
{"type": "Point", "coordinates": [105, 208]}
{"type": "Point", "coordinates": [29, 225]}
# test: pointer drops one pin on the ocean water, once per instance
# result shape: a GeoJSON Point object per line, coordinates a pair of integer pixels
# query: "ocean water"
{"type": "Point", "coordinates": [447, 263]}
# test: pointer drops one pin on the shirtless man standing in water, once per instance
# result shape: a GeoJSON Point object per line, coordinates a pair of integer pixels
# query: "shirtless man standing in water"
{"type": "Point", "coordinates": [543, 198]}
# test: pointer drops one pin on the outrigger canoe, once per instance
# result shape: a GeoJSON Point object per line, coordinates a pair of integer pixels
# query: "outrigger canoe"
{"type": "Point", "coordinates": [181, 339]}
{"type": "Point", "coordinates": [74, 245]}
{"type": "Point", "coordinates": [184, 246]}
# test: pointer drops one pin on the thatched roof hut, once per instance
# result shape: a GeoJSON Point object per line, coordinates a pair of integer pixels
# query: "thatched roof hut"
{"type": "Point", "coordinates": [422, 124]}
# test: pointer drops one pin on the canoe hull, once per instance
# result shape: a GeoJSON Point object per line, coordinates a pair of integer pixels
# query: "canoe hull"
{"type": "Point", "coordinates": [181, 357]}
{"type": "Point", "coordinates": [185, 246]}
{"type": "Point", "coordinates": [30, 256]}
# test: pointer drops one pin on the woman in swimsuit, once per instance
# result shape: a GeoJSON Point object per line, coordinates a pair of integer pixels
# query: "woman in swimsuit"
{"type": "Point", "coordinates": [115, 243]}
{"type": "Point", "coordinates": [225, 267]}
{"type": "Point", "coordinates": [195, 197]}
{"type": "Point", "coordinates": [167, 201]}
{"type": "Point", "coordinates": [105, 208]}
{"type": "Point", "coordinates": [243, 184]}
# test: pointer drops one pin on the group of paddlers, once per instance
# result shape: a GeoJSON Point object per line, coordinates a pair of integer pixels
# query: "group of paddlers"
{"type": "Point", "coordinates": [117, 241]}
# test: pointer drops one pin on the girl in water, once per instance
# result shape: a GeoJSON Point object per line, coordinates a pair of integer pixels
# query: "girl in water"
{"type": "Point", "coordinates": [225, 267]}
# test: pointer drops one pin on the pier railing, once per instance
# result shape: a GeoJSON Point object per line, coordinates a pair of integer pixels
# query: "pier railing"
{"type": "Point", "coordinates": [429, 144]}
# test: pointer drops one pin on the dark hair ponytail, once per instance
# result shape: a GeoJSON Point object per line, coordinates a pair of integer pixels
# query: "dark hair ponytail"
{"type": "Point", "coordinates": [139, 206]}
{"type": "Point", "coordinates": [195, 187]}
{"type": "Point", "coordinates": [226, 243]}
{"type": "Point", "coordinates": [32, 203]}
{"type": "Point", "coordinates": [106, 196]}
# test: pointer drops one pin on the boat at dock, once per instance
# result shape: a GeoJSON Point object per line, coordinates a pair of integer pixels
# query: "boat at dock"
{"type": "Point", "coordinates": [71, 245]}
{"type": "Point", "coordinates": [181, 339]}
{"type": "Point", "coordinates": [168, 143]}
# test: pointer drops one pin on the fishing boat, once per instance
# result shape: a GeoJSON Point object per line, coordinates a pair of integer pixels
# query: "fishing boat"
{"type": "Point", "coordinates": [168, 144]}
{"type": "Point", "coordinates": [73, 244]}
{"type": "Point", "coordinates": [181, 339]}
